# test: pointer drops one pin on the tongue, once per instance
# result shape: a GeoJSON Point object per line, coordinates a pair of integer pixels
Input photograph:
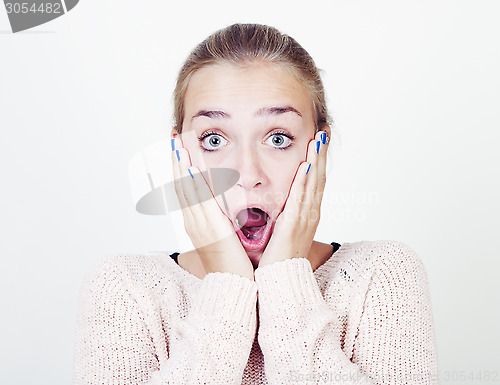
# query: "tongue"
{"type": "Point", "coordinates": [252, 217]}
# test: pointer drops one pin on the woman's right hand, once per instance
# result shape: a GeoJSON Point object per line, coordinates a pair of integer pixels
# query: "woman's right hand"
{"type": "Point", "coordinates": [210, 230]}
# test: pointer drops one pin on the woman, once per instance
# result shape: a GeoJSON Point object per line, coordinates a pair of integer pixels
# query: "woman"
{"type": "Point", "coordinates": [258, 301]}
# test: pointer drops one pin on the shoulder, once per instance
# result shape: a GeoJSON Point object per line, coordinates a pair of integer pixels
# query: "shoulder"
{"type": "Point", "coordinates": [361, 264]}
{"type": "Point", "coordinates": [129, 271]}
{"type": "Point", "coordinates": [372, 256]}
{"type": "Point", "coordinates": [397, 261]}
{"type": "Point", "coordinates": [380, 273]}
{"type": "Point", "coordinates": [391, 269]}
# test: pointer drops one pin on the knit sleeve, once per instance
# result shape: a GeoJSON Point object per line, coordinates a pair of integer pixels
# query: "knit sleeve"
{"type": "Point", "coordinates": [299, 333]}
{"type": "Point", "coordinates": [115, 346]}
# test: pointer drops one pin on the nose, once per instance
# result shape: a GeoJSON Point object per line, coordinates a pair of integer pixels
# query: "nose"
{"type": "Point", "coordinates": [250, 166]}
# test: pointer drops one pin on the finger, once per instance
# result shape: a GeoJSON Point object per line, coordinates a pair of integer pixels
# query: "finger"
{"type": "Point", "coordinates": [178, 142]}
{"type": "Point", "coordinates": [312, 175]}
{"type": "Point", "coordinates": [177, 179]}
{"type": "Point", "coordinates": [205, 193]}
{"type": "Point", "coordinates": [185, 192]}
{"type": "Point", "coordinates": [191, 195]}
{"type": "Point", "coordinates": [209, 210]}
{"type": "Point", "coordinates": [204, 196]}
{"type": "Point", "coordinates": [323, 152]}
{"type": "Point", "coordinates": [199, 197]}
{"type": "Point", "coordinates": [315, 180]}
{"type": "Point", "coordinates": [298, 201]}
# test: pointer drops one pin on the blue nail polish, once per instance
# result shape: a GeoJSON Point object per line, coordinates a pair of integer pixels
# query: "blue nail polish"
{"type": "Point", "coordinates": [323, 137]}
{"type": "Point", "coordinates": [178, 156]}
{"type": "Point", "coordinates": [308, 167]}
{"type": "Point", "coordinates": [173, 144]}
{"type": "Point", "coordinates": [190, 173]}
{"type": "Point", "coordinates": [317, 147]}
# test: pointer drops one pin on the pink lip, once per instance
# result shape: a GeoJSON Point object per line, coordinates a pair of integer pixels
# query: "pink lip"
{"type": "Point", "coordinates": [251, 245]}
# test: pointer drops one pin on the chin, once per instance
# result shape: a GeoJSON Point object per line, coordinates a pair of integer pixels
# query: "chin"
{"type": "Point", "coordinates": [254, 257]}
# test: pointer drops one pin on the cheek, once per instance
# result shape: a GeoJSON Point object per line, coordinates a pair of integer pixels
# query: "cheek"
{"type": "Point", "coordinates": [282, 181]}
{"type": "Point", "coordinates": [285, 179]}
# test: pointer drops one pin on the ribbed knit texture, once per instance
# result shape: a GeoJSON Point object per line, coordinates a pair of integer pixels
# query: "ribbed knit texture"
{"type": "Point", "coordinates": [363, 317]}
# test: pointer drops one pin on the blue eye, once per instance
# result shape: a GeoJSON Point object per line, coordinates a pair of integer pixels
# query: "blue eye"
{"type": "Point", "coordinates": [280, 140]}
{"type": "Point", "coordinates": [212, 141]}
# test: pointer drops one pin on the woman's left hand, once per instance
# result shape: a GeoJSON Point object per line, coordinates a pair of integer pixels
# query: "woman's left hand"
{"type": "Point", "coordinates": [296, 225]}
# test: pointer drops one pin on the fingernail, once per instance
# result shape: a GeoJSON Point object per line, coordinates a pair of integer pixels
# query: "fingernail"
{"type": "Point", "coordinates": [308, 167]}
{"type": "Point", "coordinates": [190, 173]}
{"type": "Point", "coordinates": [323, 137]}
{"type": "Point", "coordinates": [173, 144]}
{"type": "Point", "coordinates": [178, 156]}
{"type": "Point", "coordinates": [317, 147]}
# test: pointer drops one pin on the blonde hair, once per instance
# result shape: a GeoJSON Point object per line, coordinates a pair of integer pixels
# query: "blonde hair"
{"type": "Point", "coordinates": [242, 44]}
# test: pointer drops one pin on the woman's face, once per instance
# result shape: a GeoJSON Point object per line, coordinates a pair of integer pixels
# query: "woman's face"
{"type": "Point", "coordinates": [258, 121]}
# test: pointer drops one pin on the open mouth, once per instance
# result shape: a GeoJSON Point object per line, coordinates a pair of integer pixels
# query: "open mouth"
{"type": "Point", "coordinates": [252, 222]}
{"type": "Point", "coordinates": [253, 228]}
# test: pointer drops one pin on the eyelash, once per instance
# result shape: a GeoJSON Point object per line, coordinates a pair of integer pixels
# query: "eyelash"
{"type": "Point", "coordinates": [208, 133]}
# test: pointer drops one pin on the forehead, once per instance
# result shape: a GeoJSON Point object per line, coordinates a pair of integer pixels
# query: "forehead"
{"type": "Point", "coordinates": [242, 90]}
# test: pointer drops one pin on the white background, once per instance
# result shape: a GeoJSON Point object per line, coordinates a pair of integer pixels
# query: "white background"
{"type": "Point", "coordinates": [414, 90]}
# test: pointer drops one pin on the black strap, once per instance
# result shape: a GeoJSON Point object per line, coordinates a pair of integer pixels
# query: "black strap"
{"type": "Point", "coordinates": [335, 245]}
{"type": "Point", "coordinates": [174, 257]}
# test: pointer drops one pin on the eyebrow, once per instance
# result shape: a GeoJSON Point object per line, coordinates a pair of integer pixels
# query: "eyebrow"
{"type": "Point", "coordinates": [261, 112]}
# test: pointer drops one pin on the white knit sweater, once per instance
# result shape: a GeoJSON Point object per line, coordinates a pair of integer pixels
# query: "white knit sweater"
{"type": "Point", "coordinates": [363, 317]}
